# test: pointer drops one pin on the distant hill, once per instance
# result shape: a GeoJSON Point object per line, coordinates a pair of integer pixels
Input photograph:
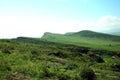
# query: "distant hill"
{"type": "Point", "coordinates": [91, 34]}
{"type": "Point", "coordinates": [69, 33]}
{"type": "Point", "coordinates": [86, 38]}
{"type": "Point", "coordinates": [84, 33]}
{"type": "Point", "coordinates": [50, 35]}
{"type": "Point", "coordinates": [114, 33]}
{"type": "Point", "coordinates": [26, 58]}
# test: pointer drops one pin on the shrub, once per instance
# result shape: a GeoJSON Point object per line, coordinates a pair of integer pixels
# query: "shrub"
{"type": "Point", "coordinates": [96, 58]}
{"type": "Point", "coordinates": [61, 54]}
{"type": "Point", "coordinates": [115, 67]}
{"type": "Point", "coordinates": [5, 65]}
{"type": "Point", "coordinates": [71, 66]}
{"type": "Point", "coordinates": [64, 77]}
{"type": "Point", "coordinates": [87, 74]}
{"type": "Point", "coordinates": [6, 51]}
{"type": "Point", "coordinates": [47, 73]}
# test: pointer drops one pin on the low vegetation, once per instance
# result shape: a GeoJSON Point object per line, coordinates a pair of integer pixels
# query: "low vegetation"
{"type": "Point", "coordinates": [87, 39]}
{"type": "Point", "coordinates": [40, 59]}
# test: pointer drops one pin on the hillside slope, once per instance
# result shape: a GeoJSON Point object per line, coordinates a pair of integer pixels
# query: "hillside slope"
{"type": "Point", "coordinates": [91, 34]}
{"type": "Point", "coordinates": [87, 39]}
{"type": "Point", "coordinates": [115, 33]}
{"type": "Point", "coordinates": [58, 57]}
{"type": "Point", "coordinates": [31, 59]}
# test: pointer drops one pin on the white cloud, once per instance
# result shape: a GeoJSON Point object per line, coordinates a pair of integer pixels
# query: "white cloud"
{"type": "Point", "coordinates": [102, 24]}
{"type": "Point", "coordinates": [109, 22]}
{"type": "Point", "coordinates": [109, 19]}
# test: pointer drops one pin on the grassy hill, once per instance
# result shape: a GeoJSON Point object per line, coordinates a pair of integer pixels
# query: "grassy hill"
{"type": "Point", "coordinates": [91, 34]}
{"type": "Point", "coordinates": [115, 33]}
{"type": "Point", "coordinates": [87, 39]}
{"type": "Point", "coordinates": [59, 57]}
{"type": "Point", "coordinates": [35, 59]}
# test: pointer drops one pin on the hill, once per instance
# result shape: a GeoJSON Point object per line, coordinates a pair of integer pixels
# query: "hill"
{"type": "Point", "coordinates": [86, 38]}
{"type": "Point", "coordinates": [91, 34]}
{"type": "Point", "coordinates": [59, 57]}
{"type": "Point", "coordinates": [26, 58]}
{"type": "Point", "coordinates": [115, 33]}
{"type": "Point", "coordinates": [69, 56]}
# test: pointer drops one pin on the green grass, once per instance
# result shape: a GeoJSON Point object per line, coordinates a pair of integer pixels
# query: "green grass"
{"type": "Point", "coordinates": [95, 43]}
{"type": "Point", "coordinates": [49, 61]}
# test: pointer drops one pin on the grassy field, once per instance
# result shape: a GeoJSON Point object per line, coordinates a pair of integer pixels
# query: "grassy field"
{"type": "Point", "coordinates": [59, 57]}
{"type": "Point", "coordinates": [30, 61]}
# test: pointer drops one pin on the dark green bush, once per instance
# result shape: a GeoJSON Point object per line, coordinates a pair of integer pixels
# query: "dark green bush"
{"type": "Point", "coordinates": [47, 73]}
{"type": "Point", "coordinates": [96, 58]}
{"type": "Point", "coordinates": [87, 74]}
{"type": "Point", "coordinates": [4, 66]}
{"type": "Point", "coordinates": [6, 51]}
{"type": "Point", "coordinates": [60, 54]}
{"type": "Point", "coordinates": [72, 66]}
{"type": "Point", "coordinates": [115, 67]}
{"type": "Point", "coordinates": [64, 77]}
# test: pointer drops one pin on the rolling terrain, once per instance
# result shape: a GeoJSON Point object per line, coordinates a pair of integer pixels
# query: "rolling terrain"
{"type": "Point", "coordinates": [70, 56]}
{"type": "Point", "coordinates": [86, 38]}
{"type": "Point", "coordinates": [115, 33]}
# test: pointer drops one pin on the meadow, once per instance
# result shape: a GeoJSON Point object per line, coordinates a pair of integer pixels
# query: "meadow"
{"type": "Point", "coordinates": [59, 57]}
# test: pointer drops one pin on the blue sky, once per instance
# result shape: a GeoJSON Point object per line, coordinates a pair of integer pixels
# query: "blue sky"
{"type": "Point", "coordinates": [34, 17]}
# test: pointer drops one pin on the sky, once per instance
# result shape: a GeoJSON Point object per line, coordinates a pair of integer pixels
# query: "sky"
{"type": "Point", "coordinates": [31, 18]}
